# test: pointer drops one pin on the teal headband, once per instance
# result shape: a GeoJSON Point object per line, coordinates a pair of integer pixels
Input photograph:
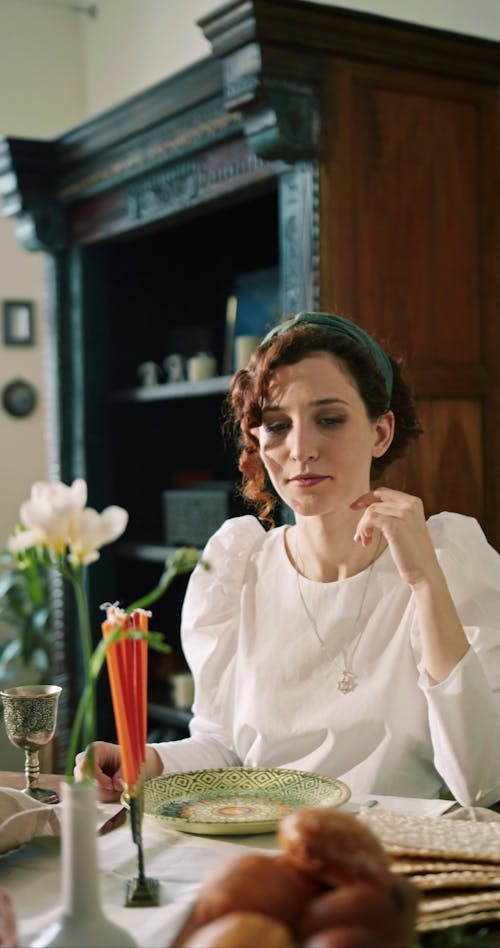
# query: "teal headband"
{"type": "Point", "coordinates": [339, 326]}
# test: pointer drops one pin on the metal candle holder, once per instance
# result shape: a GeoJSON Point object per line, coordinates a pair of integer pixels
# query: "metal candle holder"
{"type": "Point", "coordinates": [141, 892]}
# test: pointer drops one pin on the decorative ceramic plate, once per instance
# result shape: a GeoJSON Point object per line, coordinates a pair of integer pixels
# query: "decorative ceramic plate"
{"type": "Point", "coordinates": [237, 800]}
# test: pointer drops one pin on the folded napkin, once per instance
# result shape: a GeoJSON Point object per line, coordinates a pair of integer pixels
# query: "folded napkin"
{"type": "Point", "coordinates": [22, 818]}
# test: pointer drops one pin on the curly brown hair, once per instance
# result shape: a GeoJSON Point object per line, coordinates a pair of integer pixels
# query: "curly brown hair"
{"type": "Point", "coordinates": [249, 386]}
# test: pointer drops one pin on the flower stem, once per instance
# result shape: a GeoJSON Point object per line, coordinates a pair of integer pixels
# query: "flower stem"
{"type": "Point", "coordinates": [84, 705]}
{"type": "Point", "coordinates": [182, 560]}
{"type": "Point", "coordinates": [89, 718]}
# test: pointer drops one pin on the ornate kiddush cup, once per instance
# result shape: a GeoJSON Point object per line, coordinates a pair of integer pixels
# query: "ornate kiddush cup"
{"type": "Point", "coordinates": [30, 715]}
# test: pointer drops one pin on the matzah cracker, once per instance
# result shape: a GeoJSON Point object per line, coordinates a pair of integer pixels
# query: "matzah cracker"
{"type": "Point", "coordinates": [457, 880]}
{"type": "Point", "coordinates": [458, 904]}
{"type": "Point", "coordinates": [451, 921]}
{"type": "Point", "coordinates": [403, 866]}
{"type": "Point", "coordinates": [428, 836]}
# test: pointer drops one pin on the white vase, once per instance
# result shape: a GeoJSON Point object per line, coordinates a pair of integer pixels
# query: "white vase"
{"type": "Point", "coordinates": [82, 922]}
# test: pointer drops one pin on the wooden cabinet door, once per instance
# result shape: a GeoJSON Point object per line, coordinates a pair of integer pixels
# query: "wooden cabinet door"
{"type": "Point", "coordinates": [409, 242]}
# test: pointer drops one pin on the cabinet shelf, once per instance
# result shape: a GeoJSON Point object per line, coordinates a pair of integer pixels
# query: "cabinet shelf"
{"type": "Point", "coordinates": [150, 552]}
{"type": "Point", "coordinates": [157, 393]}
{"type": "Point", "coordinates": [166, 723]}
{"type": "Point", "coordinates": [165, 714]}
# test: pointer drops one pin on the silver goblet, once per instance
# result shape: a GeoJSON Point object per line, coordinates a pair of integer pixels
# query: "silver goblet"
{"type": "Point", "coordinates": [30, 715]}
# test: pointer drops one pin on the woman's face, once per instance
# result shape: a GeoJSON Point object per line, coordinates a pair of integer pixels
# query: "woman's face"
{"type": "Point", "coordinates": [316, 440]}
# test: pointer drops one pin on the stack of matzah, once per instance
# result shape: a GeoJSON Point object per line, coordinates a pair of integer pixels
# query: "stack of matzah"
{"type": "Point", "coordinates": [454, 863]}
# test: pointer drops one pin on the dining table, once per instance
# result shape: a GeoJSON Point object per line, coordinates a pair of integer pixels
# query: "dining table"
{"type": "Point", "coordinates": [178, 860]}
{"type": "Point", "coordinates": [32, 873]}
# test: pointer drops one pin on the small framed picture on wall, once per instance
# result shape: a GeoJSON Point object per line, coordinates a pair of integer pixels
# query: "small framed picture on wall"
{"type": "Point", "coordinates": [18, 323]}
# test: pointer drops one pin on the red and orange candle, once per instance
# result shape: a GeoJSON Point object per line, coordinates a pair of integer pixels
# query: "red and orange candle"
{"type": "Point", "coordinates": [127, 663]}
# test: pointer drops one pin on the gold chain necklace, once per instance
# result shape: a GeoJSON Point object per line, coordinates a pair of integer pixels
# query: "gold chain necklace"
{"type": "Point", "coordinates": [347, 679]}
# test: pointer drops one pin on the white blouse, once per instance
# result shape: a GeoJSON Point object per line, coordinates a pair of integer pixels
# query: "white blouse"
{"type": "Point", "coordinates": [266, 689]}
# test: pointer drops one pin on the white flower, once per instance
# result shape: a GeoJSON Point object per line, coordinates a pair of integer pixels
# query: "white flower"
{"type": "Point", "coordinates": [55, 517]}
{"type": "Point", "coordinates": [91, 530]}
{"type": "Point", "coordinates": [23, 540]}
{"type": "Point", "coordinates": [49, 513]}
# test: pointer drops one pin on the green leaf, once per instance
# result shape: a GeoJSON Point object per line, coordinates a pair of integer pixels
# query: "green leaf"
{"type": "Point", "coordinates": [9, 581]}
{"type": "Point", "coordinates": [40, 618]}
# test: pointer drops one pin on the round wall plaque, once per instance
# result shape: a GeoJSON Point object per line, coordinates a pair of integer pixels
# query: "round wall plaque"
{"type": "Point", "coordinates": [19, 398]}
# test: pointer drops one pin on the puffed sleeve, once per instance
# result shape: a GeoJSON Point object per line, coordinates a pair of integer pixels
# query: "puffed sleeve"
{"type": "Point", "coordinates": [464, 709]}
{"type": "Point", "coordinates": [209, 633]}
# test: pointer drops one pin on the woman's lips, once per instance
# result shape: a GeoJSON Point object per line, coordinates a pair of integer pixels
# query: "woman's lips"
{"type": "Point", "coordinates": [308, 480]}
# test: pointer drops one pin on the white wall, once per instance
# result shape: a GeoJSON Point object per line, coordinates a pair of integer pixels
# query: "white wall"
{"type": "Point", "coordinates": [41, 63]}
{"type": "Point", "coordinates": [134, 44]}
{"type": "Point", "coordinates": [59, 67]}
{"type": "Point", "coordinates": [41, 91]}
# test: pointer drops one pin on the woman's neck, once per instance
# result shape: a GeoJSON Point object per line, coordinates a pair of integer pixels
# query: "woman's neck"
{"type": "Point", "coordinates": [326, 553]}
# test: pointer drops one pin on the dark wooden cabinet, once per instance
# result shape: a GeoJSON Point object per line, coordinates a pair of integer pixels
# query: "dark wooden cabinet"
{"type": "Point", "coordinates": [409, 237]}
{"type": "Point", "coordinates": [356, 154]}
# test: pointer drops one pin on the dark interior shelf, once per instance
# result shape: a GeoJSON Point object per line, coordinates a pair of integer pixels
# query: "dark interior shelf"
{"type": "Point", "coordinates": [166, 293]}
{"type": "Point", "coordinates": [165, 714]}
{"type": "Point", "coordinates": [166, 723]}
{"type": "Point", "coordinates": [156, 393]}
{"type": "Point", "coordinates": [151, 552]}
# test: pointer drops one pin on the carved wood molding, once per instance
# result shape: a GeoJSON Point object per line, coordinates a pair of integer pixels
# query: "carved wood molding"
{"type": "Point", "coordinates": [41, 181]}
{"type": "Point", "coordinates": [28, 186]}
{"type": "Point", "coordinates": [299, 238]}
{"type": "Point", "coordinates": [274, 54]}
{"type": "Point", "coordinates": [263, 85]}
{"type": "Point", "coordinates": [282, 121]}
{"type": "Point", "coordinates": [204, 126]}
{"type": "Point", "coordinates": [43, 227]}
{"type": "Point", "coordinates": [209, 175]}
{"type": "Point", "coordinates": [276, 95]}
{"type": "Point", "coordinates": [296, 31]}
{"type": "Point", "coordinates": [184, 184]}
{"type": "Point", "coordinates": [280, 113]}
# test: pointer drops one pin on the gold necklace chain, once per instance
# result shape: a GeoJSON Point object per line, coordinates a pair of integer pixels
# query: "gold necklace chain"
{"type": "Point", "coordinates": [347, 679]}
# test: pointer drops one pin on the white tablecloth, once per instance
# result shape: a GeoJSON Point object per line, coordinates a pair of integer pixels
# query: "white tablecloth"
{"type": "Point", "coordinates": [178, 860]}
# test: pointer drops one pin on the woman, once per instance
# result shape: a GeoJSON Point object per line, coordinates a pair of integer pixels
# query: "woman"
{"type": "Point", "coordinates": [362, 642]}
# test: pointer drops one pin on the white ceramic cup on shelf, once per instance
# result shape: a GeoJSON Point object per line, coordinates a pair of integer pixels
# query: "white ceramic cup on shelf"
{"type": "Point", "coordinates": [243, 349]}
{"type": "Point", "coordinates": [201, 366]}
{"type": "Point", "coordinates": [149, 373]}
{"type": "Point", "coordinates": [174, 365]}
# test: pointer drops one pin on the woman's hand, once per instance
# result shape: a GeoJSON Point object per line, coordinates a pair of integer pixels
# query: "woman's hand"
{"type": "Point", "coordinates": [401, 519]}
{"type": "Point", "coordinates": [8, 925]}
{"type": "Point", "coordinates": [107, 770]}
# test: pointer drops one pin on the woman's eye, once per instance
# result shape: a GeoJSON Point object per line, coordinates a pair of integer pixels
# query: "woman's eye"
{"type": "Point", "coordinates": [330, 422]}
{"type": "Point", "coordinates": [276, 427]}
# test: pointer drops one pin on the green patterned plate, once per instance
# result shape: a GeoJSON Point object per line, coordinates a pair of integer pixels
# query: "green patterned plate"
{"type": "Point", "coordinates": [237, 800]}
